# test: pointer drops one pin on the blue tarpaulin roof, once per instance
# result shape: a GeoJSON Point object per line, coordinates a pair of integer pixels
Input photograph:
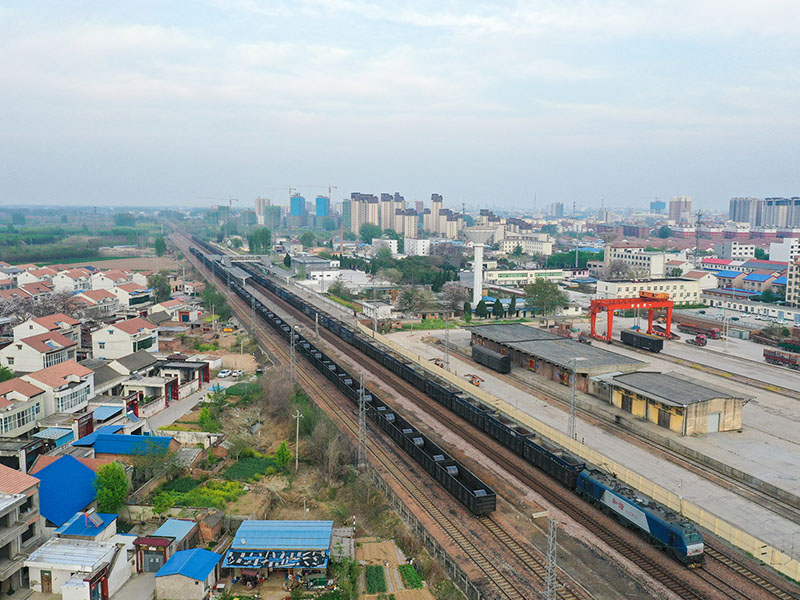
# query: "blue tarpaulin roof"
{"type": "Point", "coordinates": [176, 528]}
{"type": "Point", "coordinates": [66, 488]}
{"type": "Point", "coordinates": [728, 273]}
{"type": "Point", "coordinates": [757, 277]}
{"type": "Point", "coordinates": [131, 444]}
{"type": "Point", "coordinates": [780, 280]}
{"type": "Point", "coordinates": [101, 413]}
{"type": "Point", "coordinates": [195, 564]}
{"type": "Point", "coordinates": [81, 525]}
{"type": "Point", "coordinates": [89, 440]}
{"type": "Point", "coordinates": [283, 535]}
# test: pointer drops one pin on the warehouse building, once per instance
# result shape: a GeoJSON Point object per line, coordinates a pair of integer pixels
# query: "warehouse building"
{"type": "Point", "coordinates": [674, 402]}
{"type": "Point", "coordinates": [550, 355]}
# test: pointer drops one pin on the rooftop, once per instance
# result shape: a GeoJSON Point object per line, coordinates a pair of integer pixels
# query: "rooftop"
{"type": "Point", "coordinates": [728, 274]}
{"type": "Point", "coordinates": [44, 460]}
{"type": "Point", "coordinates": [563, 352]}
{"type": "Point", "coordinates": [89, 440]}
{"type": "Point", "coordinates": [137, 360]}
{"type": "Point", "coordinates": [67, 487]}
{"type": "Point", "coordinates": [134, 325]}
{"type": "Point", "coordinates": [671, 389]}
{"type": "Point", "coordinates": [195, 564]}
{"type": "Point", "coordinates": [515, 332]}
{"type": "Point", "coordinates": [81, 524]}
{"type": "Point", "coordinates": [760, 277]}
{"type": "Point", "coordinates": [15, 482]}
{"type": "Point", "coordinates": [20, 386]}
{"type": "Point", "coordinates": [48, 341]}
{"type": "Point", "coordinates": [103, 413]}
{"type": "Point", "coordinates": [176, 528]}
{"type": "Point", "coordinates": [79, 555]}
{"type": "Point", "coordinates": [56, 321]}
{"type": "Point", "coordinates": [131, 444]}
{"type": "Point", "coordinates": [59, 375]}
{"type": "Point", "coordinates": [283, 535]}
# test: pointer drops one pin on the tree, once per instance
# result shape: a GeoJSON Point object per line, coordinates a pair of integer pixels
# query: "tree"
{"type": "Point", "coordinates": [283, 456]}
{"type": "Point", "coordinates": [237, 446]}
{"type": "Point", "coordinates": [467, 311]}
{"type": "Point", "coordinates": [6, 373]}
{"type": "Point", "coordinates": [383, 254]}
{"type": "Point", "coordinates": [497, 309]}
{"type": "Point", "coordinates": [287, 260]}
{"type": "Point", "coordinates": [368, 232]}
{"type": "Point", "coordinates": [236, 243]}
{"type": "Point", "coordinates": [160, 283]}
{"type": "Point", "coordinates": [481, 310]}
{"type": "Point", "coordinates": [338, 288]}
{"type": "Point", "coordinates": [259, 240]}
{"type": "Point", "coordinates": [308, 240]}
{"type": "Point", "coordinates": [111, 484]}
{"type": "Point", "coordinates": [512, 307]}
{"type": "Point", "coordinates": [163, 502]}
{"type": "Point", "coordinates": [454, 295]}
{"type": "Point", "coordinates": [768, 296]}
{"type": "Point", "coordinates": [761, 254]}
{"type": "Point", "coordinates": [664, 232]}
{"type": "Point", "coordinates": [544, 297]}
{"type": "Point", "coordinates": [618, 269]}
{"type": "Point", "coordinates": [517, 251]}
{"type": "Point", "coordinates": [409, 298]}
{"type": "Point", "coordinates": [124, 220]}
{"type": "Point", "coordinates": [675, 272]}
{"type": "Point", "coordinates": [391, 275]}
{"type": "Point", "coordinates": [160, 246]}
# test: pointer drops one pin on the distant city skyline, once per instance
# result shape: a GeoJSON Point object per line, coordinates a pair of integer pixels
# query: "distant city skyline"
{"type": "Point", "coordinates": [487, 104]}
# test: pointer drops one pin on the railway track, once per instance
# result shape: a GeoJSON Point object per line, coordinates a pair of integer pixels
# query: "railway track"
{"type": "Point", "coordinates": [494, 577]}
{"type": "Point", "coordinates": [733, 564]}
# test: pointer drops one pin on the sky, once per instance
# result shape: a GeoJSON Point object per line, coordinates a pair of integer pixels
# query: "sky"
{"type": "Point", "coordinates": [493, 104]}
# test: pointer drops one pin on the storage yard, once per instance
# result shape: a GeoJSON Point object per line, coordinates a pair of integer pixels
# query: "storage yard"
{"type": "Point", "coordinates": [557, 360]}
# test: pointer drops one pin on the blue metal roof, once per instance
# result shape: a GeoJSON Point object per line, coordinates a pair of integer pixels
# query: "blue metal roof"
{"type": "Point", "coordinates": [176, 528]}
{"type": "Point", "coordinates": [66, 488]}
{"type": "Point", "coordinates": [780, 280]}
{"type": "Point", "coordinates": [730, 274]}
{"type": "Point", "coordinates": [89, 440]}
{"type": "Point", "coordinates": [283, 535]}
{"type": "Point", "coordinates": [195, 564]}
{"type": "Point", "coordinates": [101, 413]}
{"type": "Point", "coordinates": [53, 433]}
{"type": "Point", "coordinates": [757, 277]}
{"type": "Point", "coordinates": [82, 526]}
{"type": "Point", "coordinates": [114, 443]}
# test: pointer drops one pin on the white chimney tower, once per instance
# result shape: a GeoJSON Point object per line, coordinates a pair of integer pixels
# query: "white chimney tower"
{"type": "Point", "coordinates": [478, 236]}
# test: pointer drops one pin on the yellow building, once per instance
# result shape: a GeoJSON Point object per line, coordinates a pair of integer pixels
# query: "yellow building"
{"type": "Point", "coordinates": [677, 402]}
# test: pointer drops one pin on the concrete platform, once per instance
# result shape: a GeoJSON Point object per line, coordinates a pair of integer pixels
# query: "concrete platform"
{"type": "Point", "coordinates": [772, 455]}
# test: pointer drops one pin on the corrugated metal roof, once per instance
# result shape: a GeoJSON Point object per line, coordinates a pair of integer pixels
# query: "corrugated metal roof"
{"type": "Point", "coordinates": [89, 440]}
{"type": "Point", "coordinates": [730, 274]}
{"type": "Point", "coordinates": [86, 555]}
{"type": "Point", "coordinates": [514, 332]}
{"type": "Point", "coordinates": [53, 433]}
{"type": "Point", "coordinates": [195, 564]}
{"type": "Point", "coordinates": [678, 391]}
{"type": "Point", "coordinates": [562, 352]}
{"type": "Point", "coordinates": [176, 528]}
{"type": "Point", "coordinates": [101, 413]}
{"type": "Point", "coordinates": [81, 525]}
{"type": "Point", "coordinates": [131, 444]}
{"type": "Point", "coordinates": [780, 280]}
{"type": "Point", "coordinates": [283, 535]}
{"type": "Point", "coordinates": [66, 488]}
{"type": "Point", "coordinates": [757, 277]}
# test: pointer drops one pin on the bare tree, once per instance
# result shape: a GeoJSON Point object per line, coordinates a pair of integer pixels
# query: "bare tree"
{"type": "Point", "coordinates": [330, 450]}
{"type": "Point", "coordinates": [454, 295]}
{"type": "Point", "coordinates": [617, 269]}
{"type": "Point", "coordinates": [391, 275]}
{"type": "Point", "coordinates": [26, 308]}
{"type": "Point", "coordinates": [278, 389]}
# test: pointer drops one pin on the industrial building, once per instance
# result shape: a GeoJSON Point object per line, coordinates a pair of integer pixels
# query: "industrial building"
{"type": "Point", "coordinates": [674, 402]}
{"type": "Point", "coordinates": [550, 355]}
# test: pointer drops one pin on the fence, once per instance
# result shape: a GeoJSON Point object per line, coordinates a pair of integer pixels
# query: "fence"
{"type": "Point", "coordinates": [780, 561]}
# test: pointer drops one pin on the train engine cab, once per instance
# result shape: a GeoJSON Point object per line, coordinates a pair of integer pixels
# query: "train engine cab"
{"type": "Point", "coordinates": [661, 525]}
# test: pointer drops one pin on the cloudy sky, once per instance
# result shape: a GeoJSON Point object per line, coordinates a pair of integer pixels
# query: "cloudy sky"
{"type": "Point", "coordinates": [488, 103]}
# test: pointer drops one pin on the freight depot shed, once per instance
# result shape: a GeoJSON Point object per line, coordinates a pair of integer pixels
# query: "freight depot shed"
{"type": "Point", "coordinates": [551, 355]}
{"type": "Point", "coordinates": [677, 403]}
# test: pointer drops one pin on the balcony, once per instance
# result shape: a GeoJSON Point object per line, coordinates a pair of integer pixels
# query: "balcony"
{"type": "Point", "coordinates": [9, 566]}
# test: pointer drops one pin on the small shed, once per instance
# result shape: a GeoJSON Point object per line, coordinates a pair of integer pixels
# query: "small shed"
{"type": "Point", "coordinates": [188, 575]}
{"type": "Point", "coordinates": [154, 550]}
{"type": "Point", "coordinates": [677, 402]}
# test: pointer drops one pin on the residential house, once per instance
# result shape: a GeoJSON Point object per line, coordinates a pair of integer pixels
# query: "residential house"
{"type": "Point", "coordinates": [102, 301]}
{"type": "Point", "coordinates": [72, 280]}
{"type": "Point", "coordinates": [178, 310]}
{"type": "Point", "coordinates": [729, 279]}
{"type": "Point", "coordinates": [67, 487]}
{"type": "Point", "coordinates": [21, 404]}
{"type": "Point", "coordinates": [704, 279]}
{"type": "Point", "coordinates": [125, 448]}
{"type": "Point", "coordinates": [20, 526]}
{"type": "Point", "coordinates": [759, 281]}
{"type": "Point", "coordinates": [153, 550]}
{"type": "Point", "coordinates": [68, 387]}
{"type": "Point", "coordinates": [188, 575]}
{"type": "Point", "coordinates": [38, 289]}
{"type": "Point", "coordinates": [14, 294]}
{"type": "Point", "coordinates": [38, 352]}
{"type": "Point", "coordinates": [133, 295]}
{"type": "Point", "coordinates": [124, 337]}
{"type": "Point", "coordinates": [57, 322]}
{"type": "Point", "coordinates": [106, 280]}
{"type": "Point", "coordinates": [6, 283]}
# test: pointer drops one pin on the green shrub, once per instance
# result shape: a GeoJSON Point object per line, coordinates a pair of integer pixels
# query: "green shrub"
{"type": "Point", "coordinates": [376, 581]}
{"type": "Point", "coordinates": [248, 467]}
{"type": "Point", "coordinates": [212, 494]}
{"type": "Point", "coordinates": [242, 389]}
{"type": "Point", "coordinates": [411, 578]}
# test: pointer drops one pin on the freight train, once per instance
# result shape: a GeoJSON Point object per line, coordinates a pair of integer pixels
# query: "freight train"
{"type": "Point", "coordinates": [662, 526]}
{"type": "Point", "coordinates": [489, 358]}
{"type": "Point", "coordinates": [644, 341]}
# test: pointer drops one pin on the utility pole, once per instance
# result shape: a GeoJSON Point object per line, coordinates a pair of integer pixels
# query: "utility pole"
{"type": "Point", "coordinates": [550, 577]}
{"type": "Point", "coordinates": [446, 340]}
{"type": "Point", "coordinates": [362, 424]}
{"type": "Point", "coordinates": [297, 416]}
{"type": "Point", "coordinates": [571, 427]}
{"type": "Point", "coordinates": [292, 354]}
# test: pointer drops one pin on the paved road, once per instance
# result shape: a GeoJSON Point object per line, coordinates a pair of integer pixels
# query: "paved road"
{"type": "Point", "coordinates": [138, 587]}
{"type": "Point", "coordinates": [176, 410]}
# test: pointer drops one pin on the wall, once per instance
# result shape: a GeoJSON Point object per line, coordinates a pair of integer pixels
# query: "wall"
{"type": "Point", "coordinates": [148, 410]}
{"type": "Point", "coordinates": [773, 557]}
{"type": "Point", "coordinates": [193, 438]}
{"type": "Point", "coordinates": [75, 592]}
{"type": "Point", "coordinates": [178, 587]}
{"type": "Point", "coordinates": [730, 415]}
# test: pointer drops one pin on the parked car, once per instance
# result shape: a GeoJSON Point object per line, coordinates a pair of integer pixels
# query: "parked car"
{"type": "Point", "coordinates": [701, 312]}
{"type": "Point", "coordinates": [237, 373]}
{"type": "Point", "coordinates": [734, 318]}
{"type": "Point", "coordinates": [225, 373]}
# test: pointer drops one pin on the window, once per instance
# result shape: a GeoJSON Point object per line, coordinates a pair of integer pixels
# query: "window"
{"type": "Point", "coordinates": [101, 345]}
{"type": "Point", "coordinates": [72, 399]}
{"type": "Point", "coordinates": [10, 360]}
{"type": "Point", "coordinates": [54, 358]}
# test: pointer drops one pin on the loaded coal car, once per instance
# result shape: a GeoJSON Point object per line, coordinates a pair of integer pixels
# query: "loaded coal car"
{"type": "Point", "coordinates": [662, 526]}
{"type": "Point", "coordinates": [506, 431]}
{"type": "Point", "coordinates": [553, 460]}
{"type": "Point", "coordinates": [489, 358]}
{"type": "Point", "coordinates": [644, 341]}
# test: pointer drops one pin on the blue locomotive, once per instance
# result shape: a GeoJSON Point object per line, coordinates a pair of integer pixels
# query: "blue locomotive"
{"type": "Point", "coordinates": [662, 526]}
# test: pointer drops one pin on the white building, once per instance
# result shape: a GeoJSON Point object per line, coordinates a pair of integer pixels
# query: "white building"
{"type": "Point", "coordinates": [72, 280]}
{"type": "Point", "coordinates": [38, 352]}
{"type": "Point", "coordinates": [680, 290]}
{"type": "Point", "coordinates": [733, 250]}
{"type": "Point", "coordinates": [378, 310]}
{"type": "Point", "coordinates": [417, 247]}
{"type": "Point", "coordinates": [105, 280]}
{"type": "Point", "coordinates": [124, 337]}
{"type": "Point", "coordinates": [643, 264]}
{"type": "Point", "coordinates": [21, 407]}
{"type": "Point", "coordinates": [521, 277]}
{"type": "Point", "coordinates": [784, 251]}
{"type": "Point", "coordinates": [68, 387]}
{"type": "Point", "coordinates": [704, 279]}
{"type": "Point", "coordinates": [56, 323]}
{"type": "Point", "coordinates": [530, 244]}
{"type": "Point", "coordinates": [132, 295]}
{"type": "Point", "coordinates": [102, 301]}
{"type": "Point", "coordinates": [389, 243]}
{"type": "Point", "coordinates": [20, 526]}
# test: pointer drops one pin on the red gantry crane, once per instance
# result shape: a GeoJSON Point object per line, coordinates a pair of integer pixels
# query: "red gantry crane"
{"type": "Point", "coordinates": [648, 300]}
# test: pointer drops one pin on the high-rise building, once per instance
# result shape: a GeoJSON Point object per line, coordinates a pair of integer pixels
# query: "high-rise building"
{"type": "Point", "coordinates": [680, 209]}
{"type": "Point", "coordinates": [746, 210]}
{"type": "Point", "coordinates": [557, 210]}
{"type": "Point", "coordinates": [419, 206]}
{"type": "Point", "coordinates": [364, 208]}
{"type": "Point", "coordinates": [297, 206]}
{"type": "Point", "coordinates": [261, 205]}
{"type": "Point", "coordinates": [347, 206]}
{"type": "Point", "coordinates": [781, 212]}
{"type": "Point", "coordinates": [323, 206]}
{"type": "Point", "coordinates": [657, 206]}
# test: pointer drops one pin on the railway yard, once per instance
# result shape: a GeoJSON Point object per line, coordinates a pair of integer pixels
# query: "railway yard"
{"type": "Point", "coordinates": [501, 552]}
